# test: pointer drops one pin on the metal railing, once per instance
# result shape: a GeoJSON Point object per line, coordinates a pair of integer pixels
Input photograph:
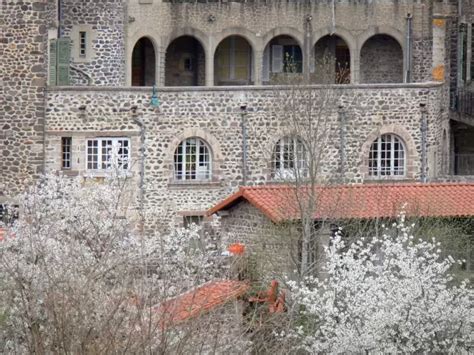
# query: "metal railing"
{"type": "Point", "coordinates": [462, 101]}
{"type": "Point", "coordinates": [464, 164]}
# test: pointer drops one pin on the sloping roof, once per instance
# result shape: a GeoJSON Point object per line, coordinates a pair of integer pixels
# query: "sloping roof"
{"type": "Point", "coordinates": [200, 300]}
{"type": "Point", "coordinates": [281, 202]}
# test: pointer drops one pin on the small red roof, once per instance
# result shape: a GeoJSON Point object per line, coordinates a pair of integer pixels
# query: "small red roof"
{"type": "Point", "coordinates": [200, 300]}
{"type": "Point", "coordinates": [281, 202]}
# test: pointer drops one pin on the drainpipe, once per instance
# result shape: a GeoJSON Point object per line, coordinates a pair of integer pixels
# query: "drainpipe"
{"type": "Point", "coordinates": [342, 141]}
{"type": "Point", "coordinates": [243, 114]}
{"type": "Point", "coordinates": [408, 45]}
{"type": "Point", "coordinates": [59, 17]}
{"type": "Point", "coordinates": [424, 129]}
{"type": "Point", "coordinates": [140, 124]}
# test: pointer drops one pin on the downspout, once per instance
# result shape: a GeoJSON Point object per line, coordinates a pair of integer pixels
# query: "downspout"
{"type": "Point", "coordinates": [140, 124]}
{"type": "Point", "coordinates": [342, 141]}
{"type": "Point", "coordinates": [408, 45]}
{"type": "Point", "coordinates": [59, 18]}
{"type": "Point", "coordinates": [424, 129]}
{"type": "Point", "coordinates": [243, 114]}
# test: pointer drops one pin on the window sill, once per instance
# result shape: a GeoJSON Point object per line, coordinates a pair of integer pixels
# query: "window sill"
{"type": "Point", "coordinates": [68, 172]}
{"type": "Point", "coordinates": [387, 179]}
{"type": "Point", "coordinates": [189, 184]}
{"type": "Point", "coordinates": [103, 174]}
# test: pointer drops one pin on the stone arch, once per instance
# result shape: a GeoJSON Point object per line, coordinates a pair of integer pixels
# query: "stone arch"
{"type": "Point", "coordinates": [249, 36]}
{"type": "Point", "coordinates": [411, 158]}
{"type": "Point", "coordinates": [191, 32]}
{"type": "Point", "coordinates": [393, 55]}
{"type": "Point", "coordinates": [185, 62]}
{"type": "Point", "coordinates": [381, 60]}
{"type": "Point", "coordinates": [283, 53]}
{"type": "Point", "coordinates": [233, 61]}
{"type": "Point", "coordinates": [208, 138]}
{"type": "Point", "coordinates": [214, 144]}
{"type": "Point", "coordinates": [282, 31]}
{"type": "Point", "coordinates": [271, 145]}
{"type": "Point", "coordinates": [143, 62]}
{"type": "Point", "coordinates": [339, 31]}
{"type": "Point", "coordinates": [381, 30]}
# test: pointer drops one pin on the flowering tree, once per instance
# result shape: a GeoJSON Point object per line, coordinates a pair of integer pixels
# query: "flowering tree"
{"type": "Point", "coordinates": [389, 294]}
{"type": "Point", "coordinates": [75, 277]}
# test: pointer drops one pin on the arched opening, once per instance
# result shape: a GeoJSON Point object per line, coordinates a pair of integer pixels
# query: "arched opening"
{"type": "Point", "coordinates": [381, 60]}
{"type": "Point", "coordinates": [192, 160]}
{"type": "Point", "coordinates": [332, 61]}
{"type": "Point", "coordinates": [233, 62]}
{"type": "Point", "coordinates": [143, 63]}
{"type": "Point", "coordinates": [185, 63]}
{"type": "Point", "coordinates": [387, 157]}
{"type": "Point", "coordinates": [289, 160]}
{"type": "Point", "coordinates": [282, 55]}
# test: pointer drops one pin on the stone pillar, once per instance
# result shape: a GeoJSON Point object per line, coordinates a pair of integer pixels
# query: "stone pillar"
{"type": "Point", "coordinates": [258, 67]}
{"type": "Point", "coordinates": [160, 64]}
{"type": "Point", "coordinates": [355, 65]}
{"type": "Point", "coordinates": [209, 67]}
{"type": "Point", "coordinates": [439, 49]}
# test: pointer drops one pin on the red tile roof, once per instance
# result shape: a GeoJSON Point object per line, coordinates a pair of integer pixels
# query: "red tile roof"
{"type": "Point", "coordinates": [200, 300]}
{"type": "Point", "coordinates": [281, 202]}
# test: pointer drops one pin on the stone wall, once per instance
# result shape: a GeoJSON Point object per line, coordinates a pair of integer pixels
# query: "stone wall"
{"type": "Point", "coordinates": [381, 61]}
{"type": "Point", "coordinates": [22, 83]}
{"type": "Point", "coordinates": [214, 115]}
{"type": "Point", "coordinates": [260, 21]}
{"type": "Point", "coordinates": [272, 248]}
{"type": "Point", "coordinates": [104, 24]}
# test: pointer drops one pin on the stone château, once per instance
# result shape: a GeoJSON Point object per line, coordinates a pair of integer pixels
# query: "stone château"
{"type": "Point", "coordinates": [77, 77]}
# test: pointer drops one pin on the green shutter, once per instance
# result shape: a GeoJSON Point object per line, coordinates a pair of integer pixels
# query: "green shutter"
{"type": "Point", "coordinates": [63, 56]}
{"type": "Point", "coordinates": [52, 62]}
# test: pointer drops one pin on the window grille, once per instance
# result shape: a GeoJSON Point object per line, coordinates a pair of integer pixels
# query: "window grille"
{"type": "Point", "coordinates": [82, 43]}
{"type": "Point", "coordinates": [290, 158]}
{"type": "Point", "coordinates": [105, 153]}
{"type": "Point", "coordinates": [66, 146]}
{"type": "Point", "coordinates": [387, 156]}
{"type": "Point", "coordinates": [192, 160]}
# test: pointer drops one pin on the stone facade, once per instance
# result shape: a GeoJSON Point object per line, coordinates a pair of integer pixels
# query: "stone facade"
{"type": "Point", "coordinates": [35, 117]}
{"type": "Point", "coordinates": [23, 71]}
{"type": "Point", "coordinates": [104, 25]}
{"type": "Point", "coordinates": [214, 115]}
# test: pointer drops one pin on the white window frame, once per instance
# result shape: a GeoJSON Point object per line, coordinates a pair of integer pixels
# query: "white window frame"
{"type": "Point", "coordinates": [290, 164]}
{"type": "Point", "coordinates": [378, 167]}
{"type": "Point", "coordinates": [103, 162]}
{"type": "Point", "coordinates": [203, 167]}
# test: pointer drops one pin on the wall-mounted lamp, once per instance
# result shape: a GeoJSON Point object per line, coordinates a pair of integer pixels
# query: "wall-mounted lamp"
{"type": "Point", "coordinates": [155, 101]}
{"type": "Point", "coordinates": [211, 18]}
{"type": "Point", "coordinates": [309, 18]}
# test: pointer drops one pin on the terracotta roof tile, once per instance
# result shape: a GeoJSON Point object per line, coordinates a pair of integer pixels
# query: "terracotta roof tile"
{"type": "Point", "coordinates": [281, 202]}
{"type": "Point", "coordinates": [200, 300]}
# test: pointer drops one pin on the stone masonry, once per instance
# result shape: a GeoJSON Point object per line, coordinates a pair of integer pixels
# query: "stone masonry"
{"type": "Point", "coordinates": [100, 102]}
{"type": "Point", "coordinates": [214, 115]}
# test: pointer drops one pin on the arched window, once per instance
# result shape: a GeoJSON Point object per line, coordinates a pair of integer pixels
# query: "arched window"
{"type": "Point", "coordinates": [192, 160]}
{"type": "Point", "coordinates": [387, 156]}
{"type": "Point", "coordinates": [290, 158]}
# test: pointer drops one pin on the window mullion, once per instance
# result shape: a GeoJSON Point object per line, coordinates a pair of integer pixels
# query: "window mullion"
{"type": "Point", "coordinates": [379, 157]}
{"type": "Point", "coordinates": [392, 155]}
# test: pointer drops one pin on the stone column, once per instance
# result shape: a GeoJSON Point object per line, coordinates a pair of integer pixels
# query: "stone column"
{"type": "Point", "coordinates": [258, 67]}
{"type": "Point", "coordinates": [209, 67]}
{"type": "Point", "coordinates": [160, 66]}
{"type": "Point", "coordinates": [355, 65]}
